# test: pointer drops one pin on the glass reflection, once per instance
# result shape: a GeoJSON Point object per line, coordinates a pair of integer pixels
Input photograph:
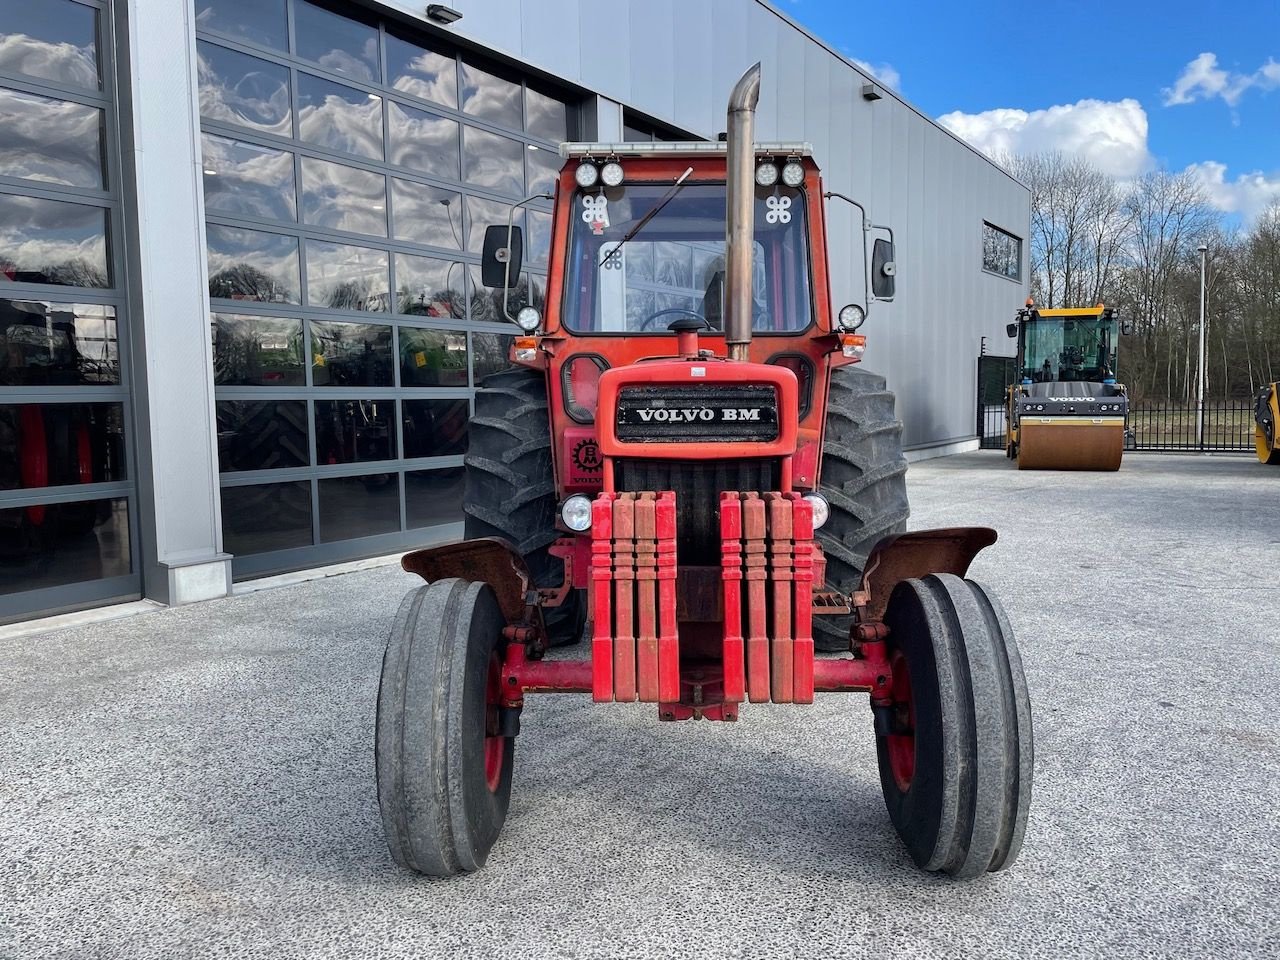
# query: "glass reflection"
{"type": "Point", "coordinates": [54, 141]}
{"type": "Point", "coordinates": [339, 117]}
{"type": "Point", "coordinates": [261, 434]}
{"type": "Point", "coordinates": [435, 428]}
{"type": "Point", "coordinates": [422, 141]}
{"type": "Point", "coordinates": [351, 355]}
{"type": "Point", "coordinates": [490, 97]}
{"type": "Point", "coordinates": [537, 238]}
{"type": "Point", "coordinates": [243, 178]}
{"type": "Point", "coordinates": [347, 278]}
{"type": "Point", "coordinates": [482, 214]}
{"type": "Point", "coordinates": [355, 431]}
{"type": "Point", "coordinates": [486, 304]}
{"type": "Point", "coordinates": [60, 444]}
{"type": "Point", "coordinates": [433, 496]}
{"type": "Point", "coordinates": [353, 507]}
{"type": "Point", "coordinates": [493, 161]}
{"type": "Point", "coordinates": [257, 351]}
{"type": "Point", "coordinates": [63, 543]}
{"type": "Point", "coordinates": [343, 198]}
{"type": "Point", "coordinates": [51, 40]}
{"type": "Point", "coordinates": [420, 72]}
{"type": "Point", "coordinates": [44, 343]}
{"type": "Point", "coordinates": [430, 288]}
{"type": "Point", "coordinates": [252, 265]}
{"type": "Point", "coordinates": [426, 214]}
{"type": "Point", "coordinates": [48, 241]}
{"type": "Point", "coordinates": [236, 88]}
{"type": "Point", "coordinates": [258, 21]}
{"type": "Point", "coordinates": [262, 518]}
{"type": "Point", "coordinates": [490, 353]}
{"type": "Point", "coordinates": [545, 116]}
{"type": "Point", "coordinates": [336, 42]}
{"type": "Point", "coordinates": [432, 358]}
{"type": "Point", "coordinates": [544, 168]}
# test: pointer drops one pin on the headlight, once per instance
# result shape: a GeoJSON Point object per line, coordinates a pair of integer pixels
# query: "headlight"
{"type": "Point", "coordinates": [793, 174]}
{"type": "Point", "coordinates": [821, 509]}
{"type": "Point", "coordinates": [767, 174]}
{"type": "Point", "coordinates": [528, 318]}
{"type": "Point", "coordinates": [586, 174]}
{"type": "Point", "coordinates": [576, 513]}
{"type": "Point", "coordinates": [851, 316]}
{"type": "Point", "coordinates": [611, 174]}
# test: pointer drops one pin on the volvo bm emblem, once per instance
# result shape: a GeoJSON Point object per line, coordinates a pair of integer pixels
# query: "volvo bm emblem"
{"type": "Point", "coordinates": [691, 414]}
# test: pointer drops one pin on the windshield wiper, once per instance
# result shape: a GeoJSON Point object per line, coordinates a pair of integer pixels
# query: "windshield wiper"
{"type": "Point", "coordinates": [657, 208]}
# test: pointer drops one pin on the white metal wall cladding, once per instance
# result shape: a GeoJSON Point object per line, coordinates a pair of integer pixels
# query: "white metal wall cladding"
{"type": "Point", "coordinates": [676, 62]}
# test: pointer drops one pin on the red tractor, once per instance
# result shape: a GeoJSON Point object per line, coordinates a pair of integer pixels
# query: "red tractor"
{"type": "Point", "coordinates": [686, 458]}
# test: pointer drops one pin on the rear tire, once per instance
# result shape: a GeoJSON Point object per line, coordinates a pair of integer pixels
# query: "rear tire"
{"type": "Point", "coordinates": [864, 478]}
{"type": "Point", "coordinates": [957, 766]}
{"type": "Point", "coordinates": [510, 485]}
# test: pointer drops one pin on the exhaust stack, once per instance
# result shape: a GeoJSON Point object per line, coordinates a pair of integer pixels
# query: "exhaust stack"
{"type": "Point", "coordinates": [740, 212]}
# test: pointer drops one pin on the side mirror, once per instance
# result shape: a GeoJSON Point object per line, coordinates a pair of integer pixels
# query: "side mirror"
{"type": "Point", "coordinates": [883, 270]}
{"type": "Point", "coordinates": [1011, 329]}
{"type": "Point", "coordinates": [1126, 328]}
{"type": "Point", "coordinates": [498, 261]}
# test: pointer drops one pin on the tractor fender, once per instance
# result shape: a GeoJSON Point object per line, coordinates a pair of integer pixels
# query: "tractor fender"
{"type": "Point", "coordinates": [490, 560]}
{"type": "Point", "coordinates": [906, 556]}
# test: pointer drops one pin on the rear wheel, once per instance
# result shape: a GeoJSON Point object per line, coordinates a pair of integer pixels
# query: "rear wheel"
{"type": "Point", "coordinates": [864, 478]}
{"type": "Point", "coordinates": [443, 767]}
{"type": "Point", "coordinates": [956, 762]}
{"type": "Point", "coordinates": [510, 485]}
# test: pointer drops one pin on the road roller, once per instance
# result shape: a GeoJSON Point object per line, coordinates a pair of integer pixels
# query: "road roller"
{"type": "Point", "coordinates": [1266, 415]}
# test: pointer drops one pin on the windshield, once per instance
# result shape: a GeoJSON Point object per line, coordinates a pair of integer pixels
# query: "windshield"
{"type": "Point", "coordinates": [1070, 348]}
{"type": "Point", "coordinates": [673, 266]}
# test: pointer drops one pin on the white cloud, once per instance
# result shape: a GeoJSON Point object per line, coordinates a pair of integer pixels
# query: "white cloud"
{"type": "Point", "coordinates": [1247, 194]}
{"type": "Point", "coordinates": [884, 72]}
{"type": "Point", "coordinates": [1203, 79]}
{"type": "Point", "coordinates": [1110, 134]}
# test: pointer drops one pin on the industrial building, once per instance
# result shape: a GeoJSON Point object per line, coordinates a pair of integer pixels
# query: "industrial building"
{"type": "Point", "coordinates": [242, 323]}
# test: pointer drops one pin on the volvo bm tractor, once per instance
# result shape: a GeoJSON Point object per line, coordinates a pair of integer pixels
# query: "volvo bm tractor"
{"type": "Point", "coordinates": [1067, 412]}
{"type": "Point", "coordinates": [686, 468]}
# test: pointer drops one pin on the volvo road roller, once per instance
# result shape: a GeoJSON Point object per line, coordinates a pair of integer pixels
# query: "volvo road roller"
{"type": "Point", "coordinates": [1067, 412]}
{"type": "Point", "coordinates": [1266, 415]}
{"type": "Point", "coordinates": [686, 456]}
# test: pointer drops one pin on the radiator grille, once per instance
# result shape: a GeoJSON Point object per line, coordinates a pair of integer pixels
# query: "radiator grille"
{"type": "Point", "coordinates": [709, 413]}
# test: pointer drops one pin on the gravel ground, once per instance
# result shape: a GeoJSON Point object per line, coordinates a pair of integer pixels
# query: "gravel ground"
{"type": "Point", "coordinates": [198, 782]}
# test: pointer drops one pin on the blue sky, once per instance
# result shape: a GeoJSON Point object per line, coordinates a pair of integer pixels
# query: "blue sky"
{"type": "Point", "coordinates": [1132, 84]}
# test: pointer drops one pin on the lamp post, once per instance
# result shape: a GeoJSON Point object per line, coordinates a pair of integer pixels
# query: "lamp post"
{"type": "Point", "coordinates": [1204, 252]}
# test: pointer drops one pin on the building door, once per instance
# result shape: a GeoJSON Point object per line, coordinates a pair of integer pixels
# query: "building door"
{"type": "Point", "coordinates": [995, 374]}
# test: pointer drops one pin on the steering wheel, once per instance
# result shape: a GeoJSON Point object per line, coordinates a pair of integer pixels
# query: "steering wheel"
{"type": "Point", "coordinates": [651, 322]}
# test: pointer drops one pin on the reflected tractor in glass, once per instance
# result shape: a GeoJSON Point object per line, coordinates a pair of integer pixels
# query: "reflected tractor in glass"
{"type": "Point", "coordinates": [687, 473]}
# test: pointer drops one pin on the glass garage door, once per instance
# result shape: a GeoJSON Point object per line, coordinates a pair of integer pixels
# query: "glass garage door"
{"type": "Point", "coordinates": [350, 168]}
{"type": "Point", "coordinates": [67, 499]}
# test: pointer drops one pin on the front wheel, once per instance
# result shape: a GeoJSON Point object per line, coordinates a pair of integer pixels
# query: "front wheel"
{"type": "Point", "coordinates": [443, 767]}
{"type": "Point", "coordinates": [956, 759]}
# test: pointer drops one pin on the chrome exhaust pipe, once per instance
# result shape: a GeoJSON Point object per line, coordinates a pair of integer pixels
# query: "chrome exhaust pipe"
{"type": "Point", "coordinates": [740, 212]}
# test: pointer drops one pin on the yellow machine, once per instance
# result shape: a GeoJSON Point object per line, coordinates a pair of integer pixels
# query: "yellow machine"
{"type": "Point", "coordinates": [1067, 412]}
{"type": "Point", "coordinates": [1266, 434]}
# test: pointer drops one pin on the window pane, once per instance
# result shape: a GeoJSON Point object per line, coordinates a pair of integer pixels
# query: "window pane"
{"type": "Point", "coordinates": [262, 434]}
{"type": "Point", "coordinates": [343, 198]}
{"type": "Point", "coordinates": [426, 214]}
{"type": "Point", "coordinates": [48, 241]}
{"type": "Point", "coordinates": [493, 161]}
{"type": "Point", "coordinates": [339, 117]}
{"type": "Point", "coordinates": [236, 88]}
{"type": "Point", "coordinates": [258, 21]}
{"type": "Point", "coordinates": [257, 351]}
{"type": "Point", "coordinates": [423, 73]}
{"type": "Point", "coordinates": [60, 444]}
{"type": "Point", "coordinates": [52, 40]}
{"type": "Point", "coordinates": [433, 496]}
{"type": "Point", "coordinates": [423, 141]}
{"type": "Point", "coordinates": [242, 178]}
{"type": "Point", "coordinates": [251, 265]}
{"type": "Point", "coordinates": [347, 278]}
{"type": "Point", "coordinates": [490, 353]}
{"type": "Point", "coordinates": [353, 507]}
{"type": "Point", "coordinates": [432, 358]}
{"type": "Point", "coordinates": [351, 355]}
{"type": "Point", "coordinates": [486, 304]}
{"type": "Point", "coordinates": [544, 168]}
{"type": "Point", "coordinates": [435, 428]}
{"type": "Point", "coordinates": [1001, 252]}
{"type": "Point", "coordinates": [482, 214]}
{"type": "Point", "coordinates": [537, 240]}
{"type": "Point", "coordinates": [64, 543]}
{"type": "Point", "coordinates": [632, 134]}
{"type": "Point", "coordinates": [430, 288]}
{"type": "Point", "coordinates": [490, 97]}
{"type": "Point", "coordinates": [43, 343]}
{"type": "Point", "coordinates": [545, 116]}
{"type": "Point", "coordinates": [336, 42]}
{"type": "Point", "coordinates": [55, 141]}
{"type": "Point", "coordinates": [260, 519]}
{"type": "Point", "coordinates": [353, 431]}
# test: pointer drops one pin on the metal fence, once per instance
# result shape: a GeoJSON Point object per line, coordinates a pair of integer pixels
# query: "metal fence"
{"type": "Point", "coordinates": [1156, 425]}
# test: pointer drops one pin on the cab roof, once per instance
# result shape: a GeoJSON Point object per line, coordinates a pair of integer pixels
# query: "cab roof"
{"type": "Point", "coordinates": [1073, 311]}
{"type": "Point", "coordinates": [679, 149]}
